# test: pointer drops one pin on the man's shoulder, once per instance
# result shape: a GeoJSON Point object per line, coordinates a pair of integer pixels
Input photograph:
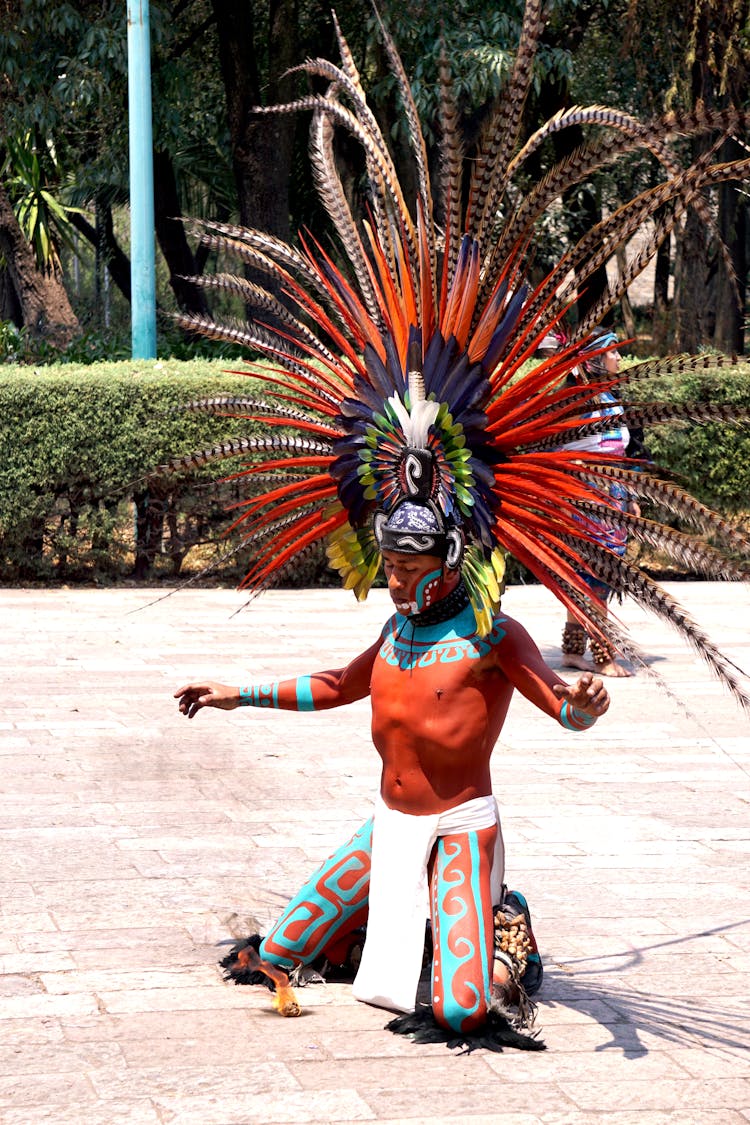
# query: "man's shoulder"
{"type": "Point", "coordinates": [503, 622]}
{"type": "Point", "coordinates": [505, 619]}
{"type": "Point", "coordinates": [505, 628]}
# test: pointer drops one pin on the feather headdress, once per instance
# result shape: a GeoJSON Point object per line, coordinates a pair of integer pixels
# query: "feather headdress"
{"type": "Point", "coordinates": [402, 364]}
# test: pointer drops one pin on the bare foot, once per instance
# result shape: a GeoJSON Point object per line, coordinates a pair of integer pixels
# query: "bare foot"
{"type": "Point", "coordinates": [500, 973]}
{"type": "Point", "coordinates": [574, 660]}
{"type": "Point", "coordinates": [612, 668]}
{"type": "Point", "coordinates": [504, 988]}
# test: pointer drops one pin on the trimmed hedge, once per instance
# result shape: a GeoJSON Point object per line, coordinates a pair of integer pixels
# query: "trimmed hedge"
{"type": "Point", "coordinates": [712, 460]}
{"type": "Point", "coordinates": [76, 443]}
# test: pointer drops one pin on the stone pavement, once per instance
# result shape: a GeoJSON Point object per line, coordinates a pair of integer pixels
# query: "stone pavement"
{"type": "Point", "coordinates": [130, 837]}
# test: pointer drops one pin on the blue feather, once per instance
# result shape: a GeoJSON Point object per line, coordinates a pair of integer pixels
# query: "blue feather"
{"type": "Point", "coordinates": [504, 329]}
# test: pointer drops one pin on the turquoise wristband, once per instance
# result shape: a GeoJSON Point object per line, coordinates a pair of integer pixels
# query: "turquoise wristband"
{"type": "Point", "coordinates": [267, 695]}
{"type": "Point", "coordinates": [262, 695]}
{"type": "Point", "coordinates": [574, 719]}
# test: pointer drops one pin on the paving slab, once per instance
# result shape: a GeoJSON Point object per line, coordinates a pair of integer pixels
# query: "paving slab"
{"type": "Point", "coordinates": [134, 843]}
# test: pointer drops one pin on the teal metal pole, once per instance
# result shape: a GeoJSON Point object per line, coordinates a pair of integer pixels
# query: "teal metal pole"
{"type": "Point", "coordinates": [142, 253]}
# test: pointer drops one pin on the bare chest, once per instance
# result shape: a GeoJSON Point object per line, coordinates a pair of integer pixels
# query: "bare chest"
{"type": "Point", "coordinates": [432, 662]}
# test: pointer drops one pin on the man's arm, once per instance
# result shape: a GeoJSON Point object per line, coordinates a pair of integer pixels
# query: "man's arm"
{"type": "Point", "coordinates": [316, 692]}
{"type": "Point", "coordinates": [575, 706]}
{"type": "Point", "coordinates": [582, 702]}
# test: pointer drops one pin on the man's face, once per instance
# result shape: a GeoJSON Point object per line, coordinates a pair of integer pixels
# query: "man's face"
{"type": "Point", "coordinates": [416, 582]}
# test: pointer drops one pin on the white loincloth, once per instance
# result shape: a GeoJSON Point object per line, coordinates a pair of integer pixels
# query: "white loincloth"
{"type": "Point", "coordinates": [399, 895]}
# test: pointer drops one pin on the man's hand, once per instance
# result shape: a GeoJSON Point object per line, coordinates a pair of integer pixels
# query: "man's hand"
{"type": "Point", "coordinates": [587, 694]}
{"type": "Point", "coordinates": [193, 697]}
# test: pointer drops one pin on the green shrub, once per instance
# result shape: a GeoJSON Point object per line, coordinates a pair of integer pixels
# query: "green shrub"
{"type": "Point", "coordinates": [76, 444]}
{"type": "Point", "coordinates": [78, 441]}
{"type": "Point", "coordinates": [711, 460]}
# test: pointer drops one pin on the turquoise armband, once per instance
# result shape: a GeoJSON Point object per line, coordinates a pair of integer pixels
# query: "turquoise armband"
{"type": "Point", "coordinates": [267, 695]}
{"type": "Point", "coordinates": [574, 719]}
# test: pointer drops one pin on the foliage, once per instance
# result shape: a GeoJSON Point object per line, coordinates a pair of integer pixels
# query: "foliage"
{"type": "Point", "coordinates": [711, 460]}
{"type": "Point", "coordinates": [64, 70]}
{"type": "Point", "coordinates": [479, 42]}
{"type": "Point", "coordinates": [66, 79]}
{"type": "Point", "coordinates": [77, 440]}
{"type": "Point", "coordinates": [29, 176]}
{"type": "Point", "coordinates": [13, 342]}
{"type": "Point", "coordinates": [17, 346]}
{"type": "Point", "coordinates": [103, 345]}
{"type": "Point", "coordinates": [77, 443]}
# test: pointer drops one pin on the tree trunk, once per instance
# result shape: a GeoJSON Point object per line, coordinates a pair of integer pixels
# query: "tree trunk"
{"type": "Point", "coordinates": [691, 309]}
{"type": "Point", "coordinates": [171, 236]}
{"type": "Point", "coordinates": [118, 263]}
{"type": "Point", "coordinates": [732, 221]}
{"type": "Point", "coordinates": [43, 303]}
{"type": "Point", "coordinates": [262, 146]}
{"type": "Point", "coordinates": [9, 306]}
{"type": "Point", "coordinates": [660, 329]}
{"type": "Point", "coordinates": [628, 316]}
{"type": "Point", "coordinates": [149, 530]}
{"type": "Point", "coordinates": [693, 299]}
{"type": "Point", "coordinates": [583, 210]}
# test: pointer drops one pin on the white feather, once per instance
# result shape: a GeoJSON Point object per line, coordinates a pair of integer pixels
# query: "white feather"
{"type": "Point", "coordinates": [416, 422]}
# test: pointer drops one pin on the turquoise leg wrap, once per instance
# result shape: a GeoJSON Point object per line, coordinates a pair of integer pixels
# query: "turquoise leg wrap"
{"type": "Point", "coordinates": [328, 903]}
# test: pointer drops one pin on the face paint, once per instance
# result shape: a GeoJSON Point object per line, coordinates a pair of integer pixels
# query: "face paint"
{"type": "Point", "coordinates": [429, 590]}
{"type": "Point", "coordinates": [415, 582]}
